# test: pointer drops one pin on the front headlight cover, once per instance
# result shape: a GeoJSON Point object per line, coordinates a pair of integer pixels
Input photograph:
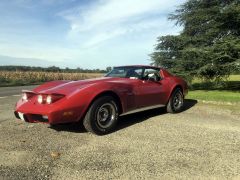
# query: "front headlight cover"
{"type": "Point", "coordinates": [49, 99]}
{"type": "Point", "coordinates": [25, 96]}
{"type": "Point", "coordinates": [40, 99]}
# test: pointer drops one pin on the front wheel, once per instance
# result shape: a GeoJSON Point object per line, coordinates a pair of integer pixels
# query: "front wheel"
{"type": "Point", "coordinates": [175, 103]}
{"type": "Point", "coordinates": [102, 116]}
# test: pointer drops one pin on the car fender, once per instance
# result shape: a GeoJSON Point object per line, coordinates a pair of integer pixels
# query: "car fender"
{"type": "Point", "coordinates": [110, 89]}
{"type": "Point", "coordinates": [89, 93]}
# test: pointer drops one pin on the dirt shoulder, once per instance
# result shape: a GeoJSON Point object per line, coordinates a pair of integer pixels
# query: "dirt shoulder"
{"type": "Point", "coordinates": [201, 142]}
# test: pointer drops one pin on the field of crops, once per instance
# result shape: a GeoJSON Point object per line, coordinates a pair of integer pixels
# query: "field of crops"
{"type": "Point", "coordinates": [8, 78]}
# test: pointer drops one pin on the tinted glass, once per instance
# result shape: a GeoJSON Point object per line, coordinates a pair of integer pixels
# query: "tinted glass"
{"type": "Point", "coordinates": [126, 72]}
{"type": "Point", "coordinates": [151, 72]}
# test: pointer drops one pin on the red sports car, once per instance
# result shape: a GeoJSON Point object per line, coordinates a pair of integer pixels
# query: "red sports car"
{"type": "Point", "coordinates": [99, 102]}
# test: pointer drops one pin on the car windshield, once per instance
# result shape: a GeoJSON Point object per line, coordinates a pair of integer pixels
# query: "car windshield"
{"type": "Point", "coordinates": [126, 72]}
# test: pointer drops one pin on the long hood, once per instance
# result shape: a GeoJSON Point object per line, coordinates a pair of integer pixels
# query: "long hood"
{"type": "Point", "coordinates": [66, 87]}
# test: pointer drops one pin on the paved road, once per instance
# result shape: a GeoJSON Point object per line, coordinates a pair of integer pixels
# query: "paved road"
{"type": "Point", "coordinates": [9, 91]}
{"type": "Point", "coordinates": [203, 142]}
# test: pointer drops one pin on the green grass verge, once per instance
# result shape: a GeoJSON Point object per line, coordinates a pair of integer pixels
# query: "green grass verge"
{"type": "Point", "coordinates": [215, 95]}
{"type": "Point", "coordinates": [230, 78]}
{"type": "Point", "coordinates": [231, 84]}
{"type": "Point", "coordinates": [234, 78]}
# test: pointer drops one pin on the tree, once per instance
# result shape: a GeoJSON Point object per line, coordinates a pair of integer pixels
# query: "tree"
{"type": "Point", "coordinates": [53, 69]}
{"type": "Point", "coordinates": [209, 44]}
{"type": "Point", "coordinates": [108, 69]}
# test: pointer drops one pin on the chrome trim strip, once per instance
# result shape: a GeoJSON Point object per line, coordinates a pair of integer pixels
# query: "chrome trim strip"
{"type": "Point", "coordinates": [142, 109]}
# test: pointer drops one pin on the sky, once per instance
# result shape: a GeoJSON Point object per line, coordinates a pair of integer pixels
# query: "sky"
{"type": "Point", "coordinates": [83, 33]}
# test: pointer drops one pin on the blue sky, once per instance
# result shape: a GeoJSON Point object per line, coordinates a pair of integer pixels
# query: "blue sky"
{"type": "Point", "coordinates": [82, 33]}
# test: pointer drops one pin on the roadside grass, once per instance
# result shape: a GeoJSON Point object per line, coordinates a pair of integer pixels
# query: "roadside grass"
{"type": "Point", "coordinates": [234, 78]}
{"type": "Point", "coordinates": [231, 84]}
{"type": "Point", "coordinates": [215, 95]}
{"type": "Point", "coordinates": [223, 92]}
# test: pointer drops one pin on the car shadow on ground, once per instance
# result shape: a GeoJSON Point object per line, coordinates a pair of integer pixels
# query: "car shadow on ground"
{"type": "Point", "coordinates": [124, 121]}
{"type": "Point", "coordinates": [189, 103]}
{"type": "Point", "coordinates": [130, 120]}
{"type": "Point", "coordinates": [70, 127]}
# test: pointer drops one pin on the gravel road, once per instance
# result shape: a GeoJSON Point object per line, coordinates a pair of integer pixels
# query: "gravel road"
{"type": "Point", "coordinates": [201, 142]}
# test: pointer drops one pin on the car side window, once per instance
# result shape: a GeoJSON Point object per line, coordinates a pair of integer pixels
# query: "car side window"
{"type": "Point", "coordinates": [151, 74]}
{"type": "Point", "coordinates": [134, 73]}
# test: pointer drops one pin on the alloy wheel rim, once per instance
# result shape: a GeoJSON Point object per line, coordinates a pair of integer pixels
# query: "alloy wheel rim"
{"type": "Point", "coordinates": [178, 101]}
{"type": "Point", "coordinates": [106, 114]}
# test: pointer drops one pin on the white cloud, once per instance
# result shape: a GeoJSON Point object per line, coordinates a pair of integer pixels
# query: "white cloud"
{"type": "Point", "coordinates": [106, 19]}
{"type": "Point", "coordinates": [113, 11]}
{"type": "Point", "coordinates": [53, 54]}
{"type": "Point", "coordinates": [93, 34]}
{"type": "Point", "coordinates": [103, 37]}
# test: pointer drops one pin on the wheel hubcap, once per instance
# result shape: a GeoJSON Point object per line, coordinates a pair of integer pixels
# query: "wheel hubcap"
{"type": "Point", "coordinates": [103, 113]}
{"type": "Point", "coordinates": [106, 115]}
{"type": "Point", "coordinates": [178, 101]}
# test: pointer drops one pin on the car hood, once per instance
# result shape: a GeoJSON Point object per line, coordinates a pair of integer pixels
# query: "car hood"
{"type": "Point", "coordinates": [66, 87]}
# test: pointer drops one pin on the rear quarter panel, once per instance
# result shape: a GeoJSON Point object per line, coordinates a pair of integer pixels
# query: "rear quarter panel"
{"type": "Point", "coordinates": [177, 82]}
{"type": "Point", "coordinates": [172, 82]}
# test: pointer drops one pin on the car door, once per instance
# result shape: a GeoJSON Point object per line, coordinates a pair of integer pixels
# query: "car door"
{"type": "Point", "coordinates": [150, 90]}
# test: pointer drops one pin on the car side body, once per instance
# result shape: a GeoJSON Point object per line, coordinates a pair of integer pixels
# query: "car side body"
{"type": "Point", "coordinates": [74, 98]}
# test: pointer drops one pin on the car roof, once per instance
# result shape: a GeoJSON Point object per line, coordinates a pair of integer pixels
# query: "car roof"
{"type": "Point", "coordinates": [140, 66]}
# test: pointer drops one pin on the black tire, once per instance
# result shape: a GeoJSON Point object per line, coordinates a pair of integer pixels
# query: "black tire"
{"type": "Point", "coordinates": [102, 116]}
{"type": "Point", "coordinates": [176, 101]}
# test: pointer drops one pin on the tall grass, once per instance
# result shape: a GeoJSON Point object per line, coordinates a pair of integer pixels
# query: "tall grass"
{"type": "Point", "coordinates": [8, 78]}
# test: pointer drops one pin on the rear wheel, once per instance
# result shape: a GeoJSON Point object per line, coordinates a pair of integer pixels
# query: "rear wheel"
{"type": "Point", "coordinates": [176, 101]}
{"type": "Point", "coordinates": [102, 116]}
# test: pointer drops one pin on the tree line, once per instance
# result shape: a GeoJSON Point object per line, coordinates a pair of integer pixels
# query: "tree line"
{"type": "Point", "coordinates": [52, 69]}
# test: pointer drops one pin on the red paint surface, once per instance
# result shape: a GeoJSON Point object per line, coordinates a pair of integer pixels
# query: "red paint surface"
{"type": "Point", "coordinates": [78, 96]}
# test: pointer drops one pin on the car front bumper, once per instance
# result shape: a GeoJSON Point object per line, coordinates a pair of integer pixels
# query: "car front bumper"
{"type": "Point", "coordinates": [56, 113]}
